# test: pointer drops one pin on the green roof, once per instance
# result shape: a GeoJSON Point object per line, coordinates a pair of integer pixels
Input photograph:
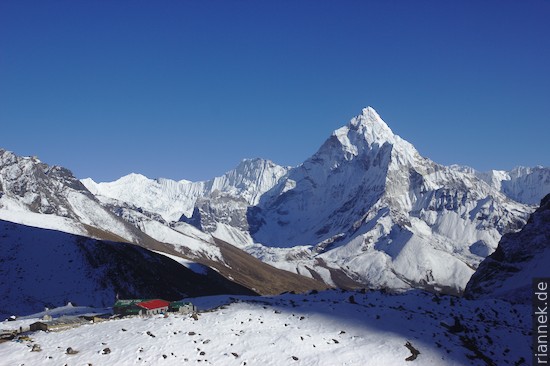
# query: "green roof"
{"type": "Point", "coordinates": [130, 302]}
{"type": "Point", "coordinates": [133, 311]}
{"type": "Point", "coordinates": [179, 303]}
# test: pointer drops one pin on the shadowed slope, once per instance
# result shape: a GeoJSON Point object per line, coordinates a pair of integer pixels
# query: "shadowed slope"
{"type": "Point", "coordinates": [42, 267]}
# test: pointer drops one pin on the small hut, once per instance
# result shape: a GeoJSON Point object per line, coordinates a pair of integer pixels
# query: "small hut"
{"type": "Point", "coordinates": [140, 307]}
{"type": "Point", "coordinates": [62, 323]}
{"type": "Point", "coordinates": [128, 307]}
{"type": "Point", "coordinates": [156, 306]}
{"type": "Point", "coordinates": [182, 307]}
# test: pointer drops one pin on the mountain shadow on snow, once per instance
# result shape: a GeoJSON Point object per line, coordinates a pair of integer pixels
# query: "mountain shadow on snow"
{"type": "Point", "coordinates": [42, 267]}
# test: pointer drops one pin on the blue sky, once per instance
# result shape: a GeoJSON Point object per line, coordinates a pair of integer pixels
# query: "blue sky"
{"type": "Point", "coordinates": [186, 89]}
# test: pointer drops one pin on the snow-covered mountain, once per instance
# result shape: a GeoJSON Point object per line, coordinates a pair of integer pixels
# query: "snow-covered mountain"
{"type": "Point", "coordinates": [508, 272]}
{"type": "Point", "coordinates": [36, 195]}
{"type": "Point", "coordinates": [173, 199]}
{"type": "Point", "coordinates": [369, 204]}
{"type": "Point", "coordinates": [522, 184]}
{"type": "Point", "coordinates": [366, 209]}
{"type": "Point", "coordinates": [321, 328]}
{"type": "Point", "coordinates": [165, 209]}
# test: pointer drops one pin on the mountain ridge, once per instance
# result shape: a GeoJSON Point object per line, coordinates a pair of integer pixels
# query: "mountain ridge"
{"type": "Point", "coordinates": [527, 185]}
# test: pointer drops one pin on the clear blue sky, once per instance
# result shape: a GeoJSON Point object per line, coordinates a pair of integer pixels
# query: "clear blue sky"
{"type": "Point", "coordinates": [186, 89]}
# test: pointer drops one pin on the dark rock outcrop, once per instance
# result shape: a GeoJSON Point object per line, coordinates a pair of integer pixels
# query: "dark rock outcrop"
{"type": "Point", "coordinates": [519, 257]}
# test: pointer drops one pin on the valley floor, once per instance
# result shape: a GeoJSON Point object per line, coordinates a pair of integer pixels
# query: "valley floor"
{"type": "Point", "coordinates": [325, 328]}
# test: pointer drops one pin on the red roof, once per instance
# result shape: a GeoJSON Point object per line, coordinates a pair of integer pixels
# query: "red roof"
{"type": "Point", "coordinates": [154, 304]}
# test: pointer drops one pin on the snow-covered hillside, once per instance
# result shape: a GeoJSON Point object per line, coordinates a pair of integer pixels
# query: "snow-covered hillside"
{"type": "Point", "coordinates": [520, 257]}
{"type": "Point", "coordinates": [365, 210]}
{"type": "Point", "coordinates": [328, 328]}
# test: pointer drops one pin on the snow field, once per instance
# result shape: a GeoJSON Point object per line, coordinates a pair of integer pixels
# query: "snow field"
{"type": "Point", "coordinates": [329, 328]}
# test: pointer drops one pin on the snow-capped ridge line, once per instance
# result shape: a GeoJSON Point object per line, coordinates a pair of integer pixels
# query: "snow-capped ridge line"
{"type": "Point", "coordinates": [172, 199]}
{"type": "Point", "coordinates": [526, 185]}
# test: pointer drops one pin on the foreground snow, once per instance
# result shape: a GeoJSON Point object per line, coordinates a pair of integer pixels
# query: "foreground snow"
{"type": "Point", "coordinates": [329, 328]}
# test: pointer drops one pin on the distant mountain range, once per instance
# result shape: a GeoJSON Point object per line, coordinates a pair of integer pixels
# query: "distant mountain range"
{"type": "Point", "coordinates": [522, 184]}
{"type": "Point", "coordinates": [366, 210]}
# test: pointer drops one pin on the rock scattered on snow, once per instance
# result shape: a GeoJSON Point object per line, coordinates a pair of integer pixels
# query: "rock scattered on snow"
{"type": "Point", "coordinates": [413, 350]}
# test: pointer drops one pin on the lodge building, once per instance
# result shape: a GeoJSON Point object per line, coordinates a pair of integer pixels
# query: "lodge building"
{"type": "Point", "coordinates": [151, 307]}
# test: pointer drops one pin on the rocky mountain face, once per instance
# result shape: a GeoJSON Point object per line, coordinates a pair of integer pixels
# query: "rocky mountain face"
{"type": "Point", "coordinates": [51, 197]}
{"type": "Point", "coordinates": [365, 210]}
{"type": "Point", "coordinates": [360, 167]}
{"type": "Point", "coordinates": [521, 256]}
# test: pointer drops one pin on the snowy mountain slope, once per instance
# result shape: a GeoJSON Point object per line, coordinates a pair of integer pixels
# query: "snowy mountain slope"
{"type": "Point", "coordinates": [230, 261]}
{"type": "Point", "coordinates": [527, 185]}
{"type": "Point", "coordinates": [184, 238]}
{"type": "Point", "coordinates": [172, 199]}
{"type": "Point", "coordinates": [205, 205]}
{"type": "Point", "coordinates": [508, 272]}
{"type": "Point", "coordinates": [259, 276]}
{"type": "Point", "coordinates": [369, 204]}
{"type": "Point", "coordinates": [522, 184]}
{"type": "Point", "coordinates": [42, 267]}
{"type": "Point", "coordinates": [328, 328]}
{"type": "Point", "coordinates": [233, 263]}
{"type": "Point", "coordinates": [34, 193]}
